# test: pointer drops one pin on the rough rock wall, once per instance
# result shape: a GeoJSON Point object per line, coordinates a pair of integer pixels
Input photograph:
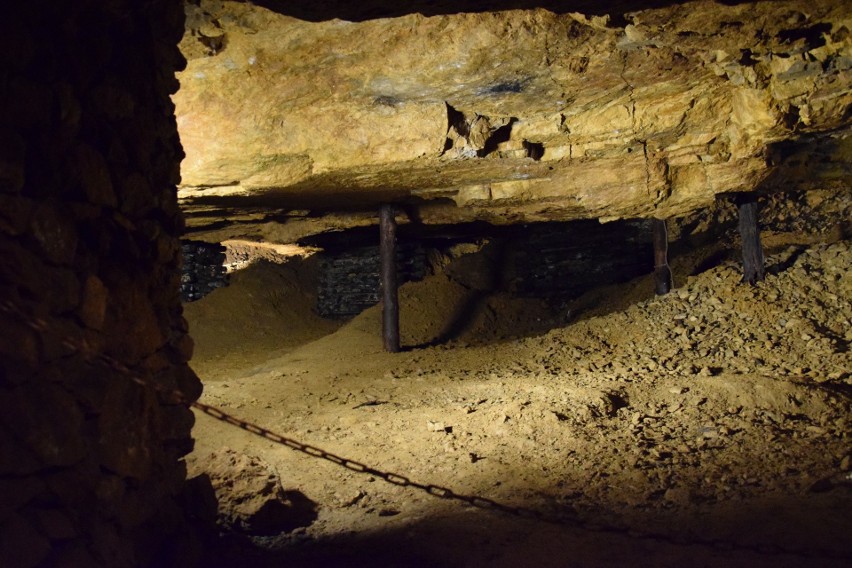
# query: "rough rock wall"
{"type": "Point", "coordinates": [513, 116]}
{"type": "Point", "coordinates": [89, 223]}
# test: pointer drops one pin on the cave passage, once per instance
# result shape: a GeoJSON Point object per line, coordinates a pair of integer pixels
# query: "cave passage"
{"type": "Point", "coordinates": [552, 261]}
{"type": "Point", "coordinates": [716, 413]}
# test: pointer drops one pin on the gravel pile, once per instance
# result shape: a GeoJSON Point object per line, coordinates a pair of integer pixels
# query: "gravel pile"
{"type": "Point", "coordinates": [795, 323]}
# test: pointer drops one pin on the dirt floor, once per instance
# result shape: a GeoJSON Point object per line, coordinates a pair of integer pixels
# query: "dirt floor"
{"type": "Point", "coordinates": [639, 428]}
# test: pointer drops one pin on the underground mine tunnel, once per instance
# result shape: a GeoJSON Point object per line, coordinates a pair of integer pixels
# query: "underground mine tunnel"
{"type": "Point", "coordinates": [619, 233]}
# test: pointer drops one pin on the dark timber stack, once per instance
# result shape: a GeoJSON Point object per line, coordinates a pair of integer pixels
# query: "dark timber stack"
{"type": "Point", "coordinates": [203, 269]}
{"type": "Point", "coordinates": [753, 263]}
{"type": "Point", "coordinates": [349, 279]}
{"type": "Point", "coordinates": [562, 261]}
{"type": "Point", "coordinates": [662, 272]}
{"type": "Point", "coordinates": [390, 285]}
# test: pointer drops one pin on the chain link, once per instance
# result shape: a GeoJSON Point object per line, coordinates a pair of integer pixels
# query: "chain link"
{"type": "Point", "coordinates": [82, 348]}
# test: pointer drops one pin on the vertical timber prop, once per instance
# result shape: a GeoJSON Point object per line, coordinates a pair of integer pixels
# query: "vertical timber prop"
{"type": "Point", "coordinates": [662, 272]}
{"type": "Point", "coordinates": [390, 285]}
{"type": "Point", "coordinates": [753, 263]}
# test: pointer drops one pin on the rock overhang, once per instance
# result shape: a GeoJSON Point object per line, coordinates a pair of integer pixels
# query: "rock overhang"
{"type": "Point", "coordinates": [511, 116]}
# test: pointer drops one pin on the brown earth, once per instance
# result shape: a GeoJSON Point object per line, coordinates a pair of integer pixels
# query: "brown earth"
{"type": "Point", "coordinates": [717, 412]}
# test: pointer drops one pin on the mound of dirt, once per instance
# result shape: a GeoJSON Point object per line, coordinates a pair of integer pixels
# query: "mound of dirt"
{"type": "Point", "coordinates": [795, 324]}
{"type": "Point", "coordinates": [439, 310]}
{"type": "Point", "coordinates": [267, 309]}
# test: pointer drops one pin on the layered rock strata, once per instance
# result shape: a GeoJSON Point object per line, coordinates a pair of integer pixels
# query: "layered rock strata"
{"type": "Point", "coordinates": [512, 116]}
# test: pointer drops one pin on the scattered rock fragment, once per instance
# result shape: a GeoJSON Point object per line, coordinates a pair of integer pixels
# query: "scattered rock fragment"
{"type": "Point", "coordinates": [251, 497]}
{"type": "Point", "coordinates": [433, 426]}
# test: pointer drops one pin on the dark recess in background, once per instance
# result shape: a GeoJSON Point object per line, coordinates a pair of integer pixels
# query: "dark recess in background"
{"type": "Point", "coordinates": [550, 261]}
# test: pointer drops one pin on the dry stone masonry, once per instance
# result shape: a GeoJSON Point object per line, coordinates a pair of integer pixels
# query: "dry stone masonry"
{"type": "Point", "coordinates": [203, 269]}
{"type": "Point", "coordinates": [561, 261]}
{"type": "Point", "coordinates": [349, 279]}
{"type": "Point", "coordinates": [90, 462]}
{"type": "Point", "coordinates": [553, 261]}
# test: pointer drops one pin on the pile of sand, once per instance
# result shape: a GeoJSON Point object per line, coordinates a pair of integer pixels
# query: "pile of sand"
{"type": "Point", "coordinates": [266, 310]}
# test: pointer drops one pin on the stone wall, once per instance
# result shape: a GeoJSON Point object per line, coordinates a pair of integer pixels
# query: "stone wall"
{"type": "Point", "coordinates": [349, 279]}
{"type": "Point", "coordinates": [561, 261]}
{"type": "Point", "coordinates": [90, 461]}
{"type": "Point", "coordinates": [553, 261]}
{"type": "Point", "coordinates": [203, 269]}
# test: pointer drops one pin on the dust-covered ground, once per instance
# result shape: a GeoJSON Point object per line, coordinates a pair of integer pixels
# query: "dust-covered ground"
{"type": "Point", "coordinates": [640, 428]}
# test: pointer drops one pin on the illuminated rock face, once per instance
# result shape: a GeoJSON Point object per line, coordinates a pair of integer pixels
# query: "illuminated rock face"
{"type": "Point", "coordinates": [510, 116]}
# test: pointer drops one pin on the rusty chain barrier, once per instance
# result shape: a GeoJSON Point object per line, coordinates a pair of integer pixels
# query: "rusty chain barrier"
{"type": "Point", "coordinates": [81, 348]}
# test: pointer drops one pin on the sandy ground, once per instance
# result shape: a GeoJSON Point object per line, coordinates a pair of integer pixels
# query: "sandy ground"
{"type": "Point", "coordinates": [719, 411]}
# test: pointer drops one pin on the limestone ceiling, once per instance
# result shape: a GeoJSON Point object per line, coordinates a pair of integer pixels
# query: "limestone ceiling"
{"type": "Point", "coordinates": [323, 10]}
{"type": "Point", "coordinates": [293, 127]}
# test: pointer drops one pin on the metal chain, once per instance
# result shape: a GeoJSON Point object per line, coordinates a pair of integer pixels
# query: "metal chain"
{"type": "Point", "coordinates": [82, 348]}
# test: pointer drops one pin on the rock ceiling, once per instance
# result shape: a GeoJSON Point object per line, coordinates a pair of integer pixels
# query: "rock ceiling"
{"type": "Point", "coordinates": [293, 124]}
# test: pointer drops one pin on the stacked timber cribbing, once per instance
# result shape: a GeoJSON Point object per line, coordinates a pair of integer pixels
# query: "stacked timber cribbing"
{"type": "Point", "coordinates": [349, 280]}
{"type": "Point", "coordinates": [203, 269]}
{"type": "Point", "coordinates": [561, 261]}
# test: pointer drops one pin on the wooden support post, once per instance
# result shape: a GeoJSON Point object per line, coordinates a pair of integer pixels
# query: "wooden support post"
{"type": "Point", "coordinates": [390, 286]}
{"type": "Point", "coordinates": [753, 264]}
{"type": "Point", "coordinates": [662, 272]}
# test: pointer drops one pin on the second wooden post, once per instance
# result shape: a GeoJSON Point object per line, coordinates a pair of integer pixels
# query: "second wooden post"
{"type": "Point", "coordinates": [390, 285]}
{"type": "Point", "coordinates": [753, 262]}
{"type": "Point", "coordinates": [662, 272]}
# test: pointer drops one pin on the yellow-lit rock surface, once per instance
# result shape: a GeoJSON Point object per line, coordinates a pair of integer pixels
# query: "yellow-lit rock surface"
{"type": "Point", "coordinates": [510, 116]}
